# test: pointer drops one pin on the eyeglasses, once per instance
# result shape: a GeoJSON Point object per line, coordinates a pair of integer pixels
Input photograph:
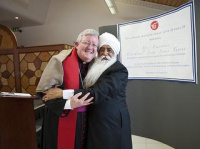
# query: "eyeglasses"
{"type": "Point", "coordinates": [88, 44]}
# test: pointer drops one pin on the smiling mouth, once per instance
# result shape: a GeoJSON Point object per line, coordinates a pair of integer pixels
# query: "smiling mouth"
{"type": "Point", "coordinates": [105, 57]}
{"type": "Point", "coordinates": [90, 52]}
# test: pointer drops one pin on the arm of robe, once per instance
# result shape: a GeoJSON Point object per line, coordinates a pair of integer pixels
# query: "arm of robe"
{"type": "Point", "coordinates": [56, 105]}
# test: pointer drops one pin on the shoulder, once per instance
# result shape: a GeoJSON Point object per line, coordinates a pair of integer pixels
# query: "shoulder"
{"type": "Point", "coordinates": [118, 66]}
{"type": "Point", "coordinates": [62, 55]}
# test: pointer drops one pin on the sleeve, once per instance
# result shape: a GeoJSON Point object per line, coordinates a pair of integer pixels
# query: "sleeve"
{"type": "Point", "coordinates": [67, 94]}
{"type": "Point", "coordinates": [68, 105]}
{"type": "Point", "coordinates": [56, 106]}
{"type": "Point", "coordinates": [111, 83]}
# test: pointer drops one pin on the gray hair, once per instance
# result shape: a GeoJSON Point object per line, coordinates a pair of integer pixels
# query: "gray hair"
{"type": "Point", "coordinates": [87, 32]}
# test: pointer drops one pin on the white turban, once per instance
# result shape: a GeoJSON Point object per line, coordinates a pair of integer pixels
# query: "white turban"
{"type": "Point", "coordinates": [111, 40]}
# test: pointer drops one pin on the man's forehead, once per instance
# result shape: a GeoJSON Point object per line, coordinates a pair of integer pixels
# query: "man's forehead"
{"type": "Point", "coordinates": [90, 37]}
{"type": "Point", "coordinates": [106, 46]}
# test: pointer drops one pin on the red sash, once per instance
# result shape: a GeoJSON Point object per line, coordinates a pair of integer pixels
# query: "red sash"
{"type": "Point", "coordinates": [67, 125]}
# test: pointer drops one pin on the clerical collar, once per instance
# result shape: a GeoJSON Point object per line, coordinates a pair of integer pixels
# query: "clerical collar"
{"type": "Point", "coordinates": [83, 68]}
{"type": "Point", "coordinates": [81, 61]}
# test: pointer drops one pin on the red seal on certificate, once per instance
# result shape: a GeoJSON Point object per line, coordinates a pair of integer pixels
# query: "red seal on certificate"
{"type": "Point", "coordinates": [154, 25]}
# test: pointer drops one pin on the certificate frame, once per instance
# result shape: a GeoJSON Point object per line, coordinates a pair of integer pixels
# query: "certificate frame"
{"type": "Point", "coordinates": [143, 62]}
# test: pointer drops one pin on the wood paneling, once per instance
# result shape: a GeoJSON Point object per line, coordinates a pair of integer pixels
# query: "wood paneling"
{"type": "Point", "coordinates": [7, 38]}
{"type": "Point", "coordinates": [17, 127]}
{"type": "Point", "coordinates": [21, 68]}
{"type": "Point", "coordinates": [173, 3]}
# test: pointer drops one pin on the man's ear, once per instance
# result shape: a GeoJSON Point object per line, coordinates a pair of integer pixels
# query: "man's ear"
{"type": "Point", "coordinates": [76, 44]}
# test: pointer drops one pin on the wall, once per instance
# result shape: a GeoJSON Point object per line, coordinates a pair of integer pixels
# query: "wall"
{"type": "Point", "coordinates": [66, 19]}
{"type": "Point", "coordinates": [167, 111]}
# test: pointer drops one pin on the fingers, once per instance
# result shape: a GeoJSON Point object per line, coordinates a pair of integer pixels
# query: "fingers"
{"type": "Point", "coordinates": [52, 90]}
{"type": "Point", "coordinates": [84, 97]}
{"type": "Point", "coordinates": [88, 102]}
{"type": "Point", "coordinates": [90, 99]}
{"type": "Point", "coordinates": [85, 102]}
{"type": "Point", "coordinates": [48, 97]}
{"type": "Point", "coordinates": [45, 98]}
{"type": "Point", "coordinates": [77, 95]}
{"type": "Point", "coordinates": [75, 102]}
{"type": "Point", "coordinates": [53, 93]}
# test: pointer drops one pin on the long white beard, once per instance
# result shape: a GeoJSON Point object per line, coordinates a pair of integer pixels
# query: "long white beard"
{"type": "Point", "coordinates": [97, 68]}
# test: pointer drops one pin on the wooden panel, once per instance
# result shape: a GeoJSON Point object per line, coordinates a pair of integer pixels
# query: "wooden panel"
{"type": "Point", "coordinates": [7, 38]}
{"type": "Point", "coordinates": [179, 2]}
{"type": "Point", "coordinates": [1, 37]}
{"type": "Point", "coordinates": [17, 126]}
{"type": "Point", "coordinates": [150, 0]}
{"type": "Point", "coordinates": [22, 68]}
{"type": "Point", "coordinates": [155, 1]}
{"type": "Point", "coordinates": [173, 3]}
{"type": "Point", "coordinates": [164, 2]}
{"type": "Point", "coordinates": [31, 66]}
{"type": "Point", "coordinates": [7, 79]}
{"type": "Point", "coordinates": [169, 2]}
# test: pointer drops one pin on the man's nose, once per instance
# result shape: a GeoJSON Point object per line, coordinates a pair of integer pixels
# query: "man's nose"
{"type": "Point", "coordinates": [105, 52]}
{"type": "Point", "coordinates": [90, 46]}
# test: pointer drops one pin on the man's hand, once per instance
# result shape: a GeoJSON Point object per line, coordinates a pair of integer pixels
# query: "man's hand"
{"type": "Point", "coordinates": [53, 93]}
{"type": "Point", "coordinates": [75, 102]}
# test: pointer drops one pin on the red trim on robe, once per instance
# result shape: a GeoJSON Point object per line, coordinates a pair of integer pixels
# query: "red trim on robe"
{"type": "Point", "coordinates": [67, 125]}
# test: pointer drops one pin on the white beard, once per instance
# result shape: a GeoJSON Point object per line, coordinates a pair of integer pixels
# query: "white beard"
{"type": "Point", "coordinates": [97, 68]}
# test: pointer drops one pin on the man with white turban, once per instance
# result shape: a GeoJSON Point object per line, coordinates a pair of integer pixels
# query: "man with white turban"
{"type": "Point", "coordinates": [106, 81]}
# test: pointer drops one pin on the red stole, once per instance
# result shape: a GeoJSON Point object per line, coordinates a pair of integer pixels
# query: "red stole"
{"type": "Point", "coordinates": [67, 125]}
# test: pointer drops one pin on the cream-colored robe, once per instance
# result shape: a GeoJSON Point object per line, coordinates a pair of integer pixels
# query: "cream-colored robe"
{"type": "Point", "coordinates": [53, 72]}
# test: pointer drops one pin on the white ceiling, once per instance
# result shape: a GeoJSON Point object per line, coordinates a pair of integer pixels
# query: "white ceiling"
{"type": "Point", "coordinates": [30, 12]}
{"type": "Point", "coordinates": [34, 12]}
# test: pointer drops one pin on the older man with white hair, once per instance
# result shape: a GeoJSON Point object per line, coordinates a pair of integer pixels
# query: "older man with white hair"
{"type": "Point", "coordinates": [65, 129]}
{"type": "Point", "coordinates": [106, 81]}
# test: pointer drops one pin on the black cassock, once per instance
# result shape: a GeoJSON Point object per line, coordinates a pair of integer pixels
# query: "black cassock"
{"type": "Point", "coordinates": [53, 111]}
{"type": "Point", "coordinates": [108, 117]}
